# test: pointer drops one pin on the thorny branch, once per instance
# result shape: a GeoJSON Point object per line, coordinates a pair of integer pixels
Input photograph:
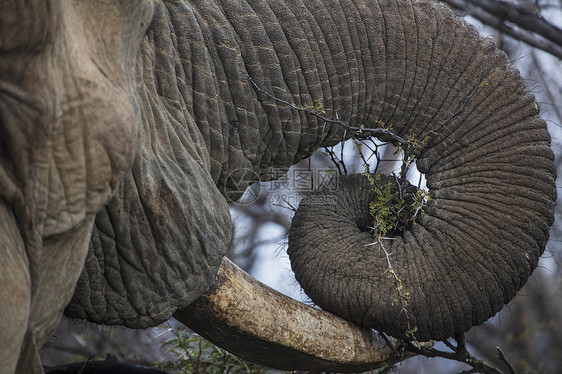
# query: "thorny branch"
{"type": "Point", "coordinates": [403, 296]}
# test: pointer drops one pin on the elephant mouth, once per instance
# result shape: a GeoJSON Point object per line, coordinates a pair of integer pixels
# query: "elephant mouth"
{"type": "Point", "coordinates": [264, 326]}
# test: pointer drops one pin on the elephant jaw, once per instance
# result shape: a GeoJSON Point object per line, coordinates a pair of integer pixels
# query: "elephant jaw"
{"type": "Point", "coordinates": [264, 326]}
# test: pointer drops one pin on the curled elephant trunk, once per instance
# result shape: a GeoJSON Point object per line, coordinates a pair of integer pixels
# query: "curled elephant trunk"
{"type": "Point", "coordinates": [491, 182]}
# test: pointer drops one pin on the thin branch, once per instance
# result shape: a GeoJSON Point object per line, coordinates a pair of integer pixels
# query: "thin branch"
{"type": "Point", "coordinates": [365, 161]}
{"type": "Point", "coordinates": [337, 161]}
{"type": "Point", "coordinates": [389, 343]}
{"type": "Point", "coordinates": [523, 17]}
{"type": "Point", "coordinates": [402, 296]}
{"type": "Point", "coordinates": [341, 157]}
{"type": "Point", "coordinates": [461, 346]}
{"type": "Point", "coordinates": [533, 39]}
{"type": "Point", "coordinates": [463, 356]}
{"type": "Point", "coordinates": [449, 345]}
{"type": "Point", "coordinates": [377, 132]}
{"type": "Point", "coordinates": [84, 366]}
{"type": "Point", "coordinates": [548, 89]}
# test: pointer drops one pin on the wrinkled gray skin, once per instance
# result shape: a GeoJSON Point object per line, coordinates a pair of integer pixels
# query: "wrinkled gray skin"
{"type": "Point", "coordinates": [102, 108]}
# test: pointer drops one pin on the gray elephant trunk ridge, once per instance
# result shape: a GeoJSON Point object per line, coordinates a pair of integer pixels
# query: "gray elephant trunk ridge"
{"type": "Point", "coordinates": [490, 173]}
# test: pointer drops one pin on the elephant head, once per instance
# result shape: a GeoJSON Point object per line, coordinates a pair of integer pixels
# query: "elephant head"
{"type": "Point", "coordinates": [68, 130]}
{"type": "Point", "coordinates": [201, 96]}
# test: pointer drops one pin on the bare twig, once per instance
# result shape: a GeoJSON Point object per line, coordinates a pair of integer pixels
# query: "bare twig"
{"type": "Point", "coordinates": [365, 161]}
{"type": "Point", "coordinates": [460, 354]}
{"type": "Point", "coordinates": [461, 346]}
{"type": "Point", "coordinates": [449, 345]}
{"type": "Point", "coordinates": [506, 361]}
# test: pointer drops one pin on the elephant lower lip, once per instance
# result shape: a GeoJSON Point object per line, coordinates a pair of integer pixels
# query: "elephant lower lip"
{"type": "Point", "coordinates": [266, 327]}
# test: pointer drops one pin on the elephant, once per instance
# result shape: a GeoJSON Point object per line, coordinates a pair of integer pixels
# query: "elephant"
{"type": "Point", "coordinates": [127, 126]}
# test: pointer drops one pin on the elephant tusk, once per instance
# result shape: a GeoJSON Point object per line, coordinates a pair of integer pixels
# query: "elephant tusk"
{"type": "Point", "coordinates": [264, 326]}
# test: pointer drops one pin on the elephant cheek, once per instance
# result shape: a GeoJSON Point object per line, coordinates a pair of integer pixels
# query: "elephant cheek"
{"type": "Point", "coordinates": [106, 145]}
{"type": "Point", "coordinates": [92, 111]}
{"type": "Point", "coordinates": [27, 24]}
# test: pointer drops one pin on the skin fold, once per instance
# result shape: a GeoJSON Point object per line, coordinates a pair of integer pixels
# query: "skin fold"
{"type": "Point", "coordinates": [68, 125]}
{"type": "Point", "coordinates": [126, 128]}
